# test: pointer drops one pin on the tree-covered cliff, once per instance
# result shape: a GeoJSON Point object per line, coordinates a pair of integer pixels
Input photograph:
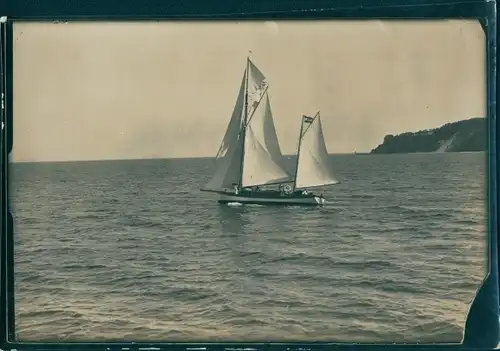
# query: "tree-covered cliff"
{"type": "Point", "coordinates": [466, 135]}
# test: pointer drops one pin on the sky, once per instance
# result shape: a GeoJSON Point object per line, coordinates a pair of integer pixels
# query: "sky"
{"type": "Point", "coordinates": [89, 91]}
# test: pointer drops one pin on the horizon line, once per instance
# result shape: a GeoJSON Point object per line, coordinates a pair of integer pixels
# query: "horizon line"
{"type": "Point", "coordinates": [206, 157]}
{"type": "Point", "coordinates": [154, 158]}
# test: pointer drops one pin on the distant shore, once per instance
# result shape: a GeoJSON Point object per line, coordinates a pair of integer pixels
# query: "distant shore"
{"type": "Point", "coordinates": [463, 136]}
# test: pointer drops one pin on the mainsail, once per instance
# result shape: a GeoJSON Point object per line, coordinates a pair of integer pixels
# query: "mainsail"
{"type": "Point", "coordinates": [312, 156]}
{"type": "Point", "coordinates": [228, 159]}
{"type": "Point", "coordinates": [250, 154]}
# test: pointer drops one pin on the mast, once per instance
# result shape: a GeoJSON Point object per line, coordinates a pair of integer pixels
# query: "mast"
{"type": "Point", "coordinates": [243, 131]}
{"type": "Point", "coordinates": [298, 153]}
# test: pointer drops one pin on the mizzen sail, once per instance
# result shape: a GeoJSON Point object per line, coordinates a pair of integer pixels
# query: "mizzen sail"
{"type": "Point", "coordinates": [312, 159]}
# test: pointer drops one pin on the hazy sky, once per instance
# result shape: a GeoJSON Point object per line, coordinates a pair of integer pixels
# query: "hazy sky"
{"type": "Point", "coordinates": [134, 90]}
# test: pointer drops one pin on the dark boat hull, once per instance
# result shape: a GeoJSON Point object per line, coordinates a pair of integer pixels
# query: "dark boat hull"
{"type": "Point", "coordinates": [271, 198]}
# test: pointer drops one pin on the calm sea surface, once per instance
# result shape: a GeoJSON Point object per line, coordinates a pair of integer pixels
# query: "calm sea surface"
{"type": "Point", "coordinates": [117, 250]}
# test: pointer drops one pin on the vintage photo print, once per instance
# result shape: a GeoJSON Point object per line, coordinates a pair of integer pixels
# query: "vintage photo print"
{"type": "Point", "coordinates": [248, 181]}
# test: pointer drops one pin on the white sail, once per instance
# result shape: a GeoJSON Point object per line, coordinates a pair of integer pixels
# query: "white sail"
{"type": "Point", "coordinates": [228, 160]}
{"type": "Point", "coordinates": [263, 160]}
{"type": "Point", "coordinates": [312, 159]}
{"type": "Point", "coordinates": [255, 159]}
{"type": "Point", "coordinates": [271, 137]}
{"type": "Point", "coordinates": [257, 85]}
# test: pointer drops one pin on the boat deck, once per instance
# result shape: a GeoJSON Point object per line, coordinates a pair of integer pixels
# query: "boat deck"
{"type": "Point", "coordinates": [273, 194]}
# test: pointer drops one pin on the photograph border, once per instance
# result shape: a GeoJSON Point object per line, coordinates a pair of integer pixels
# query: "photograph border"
{"type": "Point", "coordinates": [482, 327]}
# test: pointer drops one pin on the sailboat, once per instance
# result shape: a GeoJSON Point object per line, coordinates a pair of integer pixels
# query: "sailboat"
{"type": "Point", "coordinates": [250, 162]}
